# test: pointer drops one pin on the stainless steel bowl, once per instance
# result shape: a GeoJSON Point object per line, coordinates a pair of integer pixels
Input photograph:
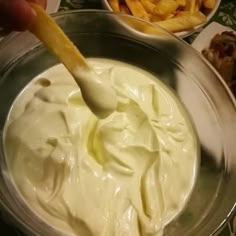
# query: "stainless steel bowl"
{"type": "Point", "coordinates": [196, 83]}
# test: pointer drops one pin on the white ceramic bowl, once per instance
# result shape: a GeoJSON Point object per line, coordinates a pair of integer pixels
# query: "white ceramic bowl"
{"type": "Point", "coordinates": [186, 33]}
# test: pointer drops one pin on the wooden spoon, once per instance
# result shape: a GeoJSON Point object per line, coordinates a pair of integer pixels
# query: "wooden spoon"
{"type": "Point", "coordinates": [97, 93]}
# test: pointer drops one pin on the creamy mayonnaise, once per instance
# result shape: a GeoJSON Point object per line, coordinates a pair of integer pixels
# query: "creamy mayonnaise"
{"type": "Point", "coordinates": [97, 92]}
{"type": "Point", "coordinates": [126, 175]}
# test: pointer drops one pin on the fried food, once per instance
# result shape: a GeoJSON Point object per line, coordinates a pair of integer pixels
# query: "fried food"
{"type": "Point", "coordinates": [166, 7]}
{"type": "Point", "coordinates": [222, 55]}
{"type": "Point", "coordinates": [137, 9]}
{"type": "Point", "coordinates": [173, 15]}
{"type": "Point", "coordinates": [209, 3]}
{"type": "Point", "coordinates": [124, 9]}
{"type": "Point", "coordinates": [115, 5]}
{"type": "Point", "coordinates": [184, 22]}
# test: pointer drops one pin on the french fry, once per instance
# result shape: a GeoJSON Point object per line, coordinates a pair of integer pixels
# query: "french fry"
{"type": "Point", "coordinates": [210, 4]}
{"type": "Point", "coordinates": [171, 15]}
{"type": "Point", "coordinates": [182, 23]}
{"type": "Point", "coordinates": [183, 13]}
{"type": "Point", "coordinates": [137, 9]}
{"type": "Point", "coordinates": [154, 1]}
{"type": "Point", "coordinates": [174, 15]}
{"type": "Point", "coordinates": [154, 18]}
{"type": "Point", "coordinates": [192, 5]}
{"type": "Point", "coordinates": [114, 5]}
{"type": "Point", "coordinates": [200, 4]}
{"type": "Point", "coordinates": [124, 9]}
{"type": "Point", "coordinates": [149, 6]}
{"type": "Point", "coordinates": [142, 27]}
{"type": "Point", "coordinates": [166, 7]}
{"type": "Point", "coordinates": [181, 3]}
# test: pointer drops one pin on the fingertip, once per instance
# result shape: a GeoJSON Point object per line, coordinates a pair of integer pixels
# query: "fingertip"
{"type": "Point", "coordinates": [18, 14]}
{"type": "Point", "coordinates": [25, 15]}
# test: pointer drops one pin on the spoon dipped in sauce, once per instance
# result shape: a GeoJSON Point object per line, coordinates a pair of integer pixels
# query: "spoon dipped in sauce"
{"type": "Point", "coordinates": [96, 91]}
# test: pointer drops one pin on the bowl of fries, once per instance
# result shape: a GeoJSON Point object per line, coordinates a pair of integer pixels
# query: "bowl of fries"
{"type": "Point", "coordinates": [181, 17]}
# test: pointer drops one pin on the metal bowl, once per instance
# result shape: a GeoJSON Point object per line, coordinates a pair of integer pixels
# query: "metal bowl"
{"type": "Point", "coordinates": [199, 87]}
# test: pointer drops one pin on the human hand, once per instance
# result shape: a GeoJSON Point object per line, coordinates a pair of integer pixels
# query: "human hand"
{"type": "Point", "coordinates": [17, 14]}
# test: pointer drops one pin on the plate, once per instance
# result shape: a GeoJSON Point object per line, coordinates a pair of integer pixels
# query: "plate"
{"type": "Point", "coordinates": [202, 41]}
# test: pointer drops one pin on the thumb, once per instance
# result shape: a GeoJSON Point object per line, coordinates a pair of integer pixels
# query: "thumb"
{"type": "Point", "coordinates": [17, 14]}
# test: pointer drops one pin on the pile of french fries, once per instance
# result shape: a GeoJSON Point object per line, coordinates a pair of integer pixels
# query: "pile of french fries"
{"type": "Point", "coordinates": [173, 15]}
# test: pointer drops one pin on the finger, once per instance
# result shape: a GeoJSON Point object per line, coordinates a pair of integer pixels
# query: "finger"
{"type": "Point", "coordinates": [43, 3]}
{"type": "Point", "coordinates": [16, 14]}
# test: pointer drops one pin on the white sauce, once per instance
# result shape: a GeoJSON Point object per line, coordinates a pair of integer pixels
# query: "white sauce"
{"type": "Point", "coordinates": [126, 175]}
{"type": "Point", "coordinates": [96, 91]}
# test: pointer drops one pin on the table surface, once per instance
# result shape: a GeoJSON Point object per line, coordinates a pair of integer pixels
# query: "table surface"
{"type": "Point", "coordinates": [226, 15]}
